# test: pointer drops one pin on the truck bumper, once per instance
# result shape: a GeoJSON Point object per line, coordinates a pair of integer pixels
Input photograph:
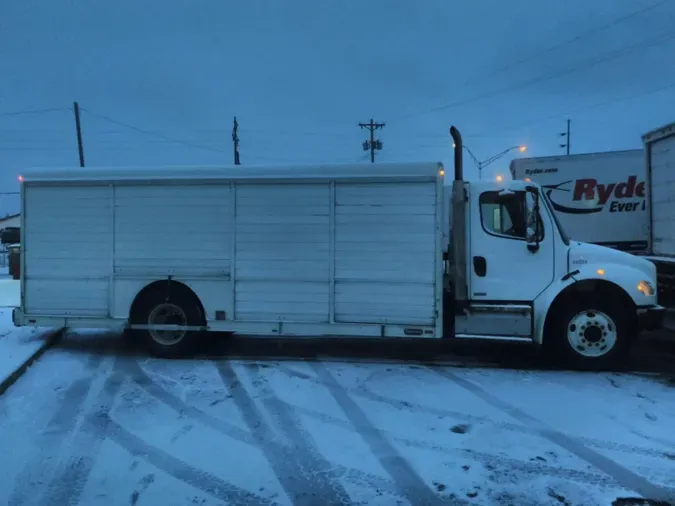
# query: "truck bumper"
{"type": "Point", "coordinates": [650, 317]}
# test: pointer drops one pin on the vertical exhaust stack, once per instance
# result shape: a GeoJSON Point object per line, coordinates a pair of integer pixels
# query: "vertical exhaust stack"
{"type": "Point", "coordinates": [457, 142]}
{"type": "Point", "coordinates": [458, 232]}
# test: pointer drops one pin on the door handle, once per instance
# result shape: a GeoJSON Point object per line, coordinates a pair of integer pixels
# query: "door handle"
{"type": "Point", "coordinates": [480, 266]}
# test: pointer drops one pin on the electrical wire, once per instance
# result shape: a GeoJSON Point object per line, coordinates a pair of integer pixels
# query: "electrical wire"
{"type": "Point", "coordinates": [614, 54]}
{"type": "Point", "coordinates": [579, 37]}
{"type": "Point", "coordinates": [580, 110]}
{"type": "Point", "coordinates": [34, 111]}
{"type": "Point", "coordinates": [550, 49]}
{"type": "Point", "coordinates": [152, 133]}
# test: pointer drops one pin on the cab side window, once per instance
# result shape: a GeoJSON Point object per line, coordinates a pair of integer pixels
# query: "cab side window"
{"type": "Point", "coordinates": [505, 214]}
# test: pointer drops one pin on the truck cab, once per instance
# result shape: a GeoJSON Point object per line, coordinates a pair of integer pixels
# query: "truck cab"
{"type": "Point", "coordinates": [513, 273]}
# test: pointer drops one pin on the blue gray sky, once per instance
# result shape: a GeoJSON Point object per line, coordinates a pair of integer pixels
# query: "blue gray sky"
{"type": "Point", "coordinates": [300, 74]}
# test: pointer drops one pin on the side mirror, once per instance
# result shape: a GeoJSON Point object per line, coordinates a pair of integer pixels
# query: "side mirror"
{"type": "Point", "coordinates": [532, 232]}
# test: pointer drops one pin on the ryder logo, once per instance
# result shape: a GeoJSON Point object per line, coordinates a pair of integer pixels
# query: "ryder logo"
{"type": "Point", "coordinates": [589, 196]}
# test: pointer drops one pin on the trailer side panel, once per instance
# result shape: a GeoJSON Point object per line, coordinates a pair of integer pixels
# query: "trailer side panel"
{"type": "Point", "coordinates": [67, 250]}
{"type": "Point", "coordinates": [180, 230]}
{"type": "Point", "coordinates": [385, 243]}
{"type": "Point", "coordinates": [282, 252]}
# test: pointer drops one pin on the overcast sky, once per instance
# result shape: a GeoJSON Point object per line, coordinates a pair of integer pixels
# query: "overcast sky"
{"type": "Point", "coordinates": [300, 74]}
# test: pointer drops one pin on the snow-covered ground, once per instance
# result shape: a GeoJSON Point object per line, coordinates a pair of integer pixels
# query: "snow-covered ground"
{"type": "Point", "coordinates": [10, 291]}
{"type": "Point", "coordinates": [92, 425]}
{"type": "Point", "coordinates": [17, 345]}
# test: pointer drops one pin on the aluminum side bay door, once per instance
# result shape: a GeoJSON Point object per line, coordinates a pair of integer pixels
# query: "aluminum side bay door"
{"type": "Point", "coordinates": [505, 272]}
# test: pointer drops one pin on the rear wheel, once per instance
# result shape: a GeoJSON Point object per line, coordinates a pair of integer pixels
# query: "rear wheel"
{"type": "Point", "coordinates": [181, 310]}
{"type": "Point", "coordinates": [592, 334]}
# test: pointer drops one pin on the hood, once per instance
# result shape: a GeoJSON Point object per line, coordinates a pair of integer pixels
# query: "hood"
{"type": "Point", "coordinates": [583, 252]}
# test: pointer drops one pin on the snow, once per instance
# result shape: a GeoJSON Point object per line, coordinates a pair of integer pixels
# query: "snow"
{"type": "Point", "coordinates": [92, 424]}
{"type": "Point", "coordinates": [10, 292]}
{"type": "Point", "coordinates": [390, 170]}
{"type": "Point", "coordinates": [17, 345]}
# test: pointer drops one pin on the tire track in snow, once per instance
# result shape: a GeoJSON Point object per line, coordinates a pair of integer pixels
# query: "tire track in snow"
{"type": "Point", "coordinates": [59, 428]}
{"type": "Point", "coordinates": [622, 475]}
{"type": "Point", "coordinates": [66, 488]}
{"type": "Point", "coordinates": [408, 481]}
{"type": "Point", "coordinates": [142, 379]}
{"type": "Point", "coordinates": [304, 474]}
{"type": "Point", "coordinates": [197, 478]}
{"type": "Point", "coordinates": [364, 392]}
{"type": "Point", "coordinates": [525, 468]}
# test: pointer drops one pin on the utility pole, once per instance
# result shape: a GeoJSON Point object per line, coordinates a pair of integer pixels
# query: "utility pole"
{"type": "Point", "coordinates": [563, 134]}
{"type": "Point", "coordinates": [372, 144]}
{"type": "Point", "coordinates": [78, 130]}
{"type": "Point", "coordinates": [235, 140]}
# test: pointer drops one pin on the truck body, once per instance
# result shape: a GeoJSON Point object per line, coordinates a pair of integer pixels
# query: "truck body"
{"type": "Point", "coordinates": [600, 198]}
{"type": "Point", "coordinates": [659, 160]}
{"type": "Point", "coordinates": [169, 254]}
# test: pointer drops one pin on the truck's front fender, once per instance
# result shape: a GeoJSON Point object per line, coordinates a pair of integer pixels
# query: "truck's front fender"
{"type": "Point", "coordinates": [621, 279]}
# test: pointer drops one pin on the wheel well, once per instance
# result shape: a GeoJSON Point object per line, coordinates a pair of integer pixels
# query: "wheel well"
{"type": "Point", "coordinates": [175, 289]}
{"type": "Point", "coordinates": [598, 288]}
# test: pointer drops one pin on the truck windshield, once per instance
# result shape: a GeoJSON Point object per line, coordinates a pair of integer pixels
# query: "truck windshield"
{"type": "Point", "coordinates": [563, 235]}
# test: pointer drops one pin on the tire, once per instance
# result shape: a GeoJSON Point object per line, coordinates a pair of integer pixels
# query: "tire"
{"type": "Point", "coordinates": [592, 334]}
{"type": "Point", "coordinates": [180, 310]}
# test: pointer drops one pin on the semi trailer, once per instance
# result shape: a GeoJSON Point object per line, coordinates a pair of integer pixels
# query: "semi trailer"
{"type": "Point", "coordinates": [174, 255]}
{"type": "Point", "coordinates": [600, 198]}
{"type": "Point", "coordinates": [659, 162]}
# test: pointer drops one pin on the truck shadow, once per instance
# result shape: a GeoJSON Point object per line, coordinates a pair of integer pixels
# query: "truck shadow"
{"type": "Point", "coordinates": [653, 354]}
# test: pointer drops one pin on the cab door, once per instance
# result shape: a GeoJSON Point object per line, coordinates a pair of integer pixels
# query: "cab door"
{"type": "Point", "coordinates": [511, 247]}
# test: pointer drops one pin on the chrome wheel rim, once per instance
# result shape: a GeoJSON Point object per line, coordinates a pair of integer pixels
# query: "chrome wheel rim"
{"type": "Point", "coordinates": [592, 333]}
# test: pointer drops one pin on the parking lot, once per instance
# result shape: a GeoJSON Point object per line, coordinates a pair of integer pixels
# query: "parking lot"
{"type": "Point", "coordinates": [250, 422]}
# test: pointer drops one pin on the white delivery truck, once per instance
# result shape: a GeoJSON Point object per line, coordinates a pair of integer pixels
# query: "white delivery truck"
{"type": "Point", "coordinates": [599, 198]}
{"type": "Point", "coordinates": [336, 250]}
{"type": "Point", "coordinates": [659, 150]}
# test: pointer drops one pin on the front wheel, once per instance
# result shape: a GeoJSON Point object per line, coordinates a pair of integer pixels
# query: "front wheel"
{"type": "Point", "coordinates": [592, 334]}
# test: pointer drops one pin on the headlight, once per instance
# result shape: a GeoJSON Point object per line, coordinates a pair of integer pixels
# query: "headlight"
{"type": "Point", "coordinates": [645, 288]}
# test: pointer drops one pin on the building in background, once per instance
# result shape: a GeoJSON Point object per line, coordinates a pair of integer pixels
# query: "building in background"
{"type": "Point", "coordinates": [11, 222]}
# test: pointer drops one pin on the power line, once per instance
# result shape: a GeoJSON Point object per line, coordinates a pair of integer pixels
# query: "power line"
{"type": "Point", "coordinates": [151, 132]}
{"type": "Point", "coordinates": [293, 133]}
{"type": "Point", "coordinates": [40, 148]}
{"type": "Point", "coordinates": [564, 43]}
{"type": "Point", "coordinates": [34, 111]}
{"type": "Point", "coordinates": [583, 109]}
{"type": "Point", "coordinates": [582, 36]}
{"type": "Point", "coordinates": [617, 53]}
